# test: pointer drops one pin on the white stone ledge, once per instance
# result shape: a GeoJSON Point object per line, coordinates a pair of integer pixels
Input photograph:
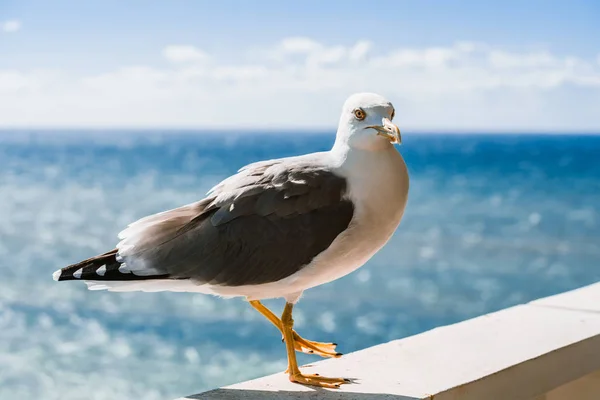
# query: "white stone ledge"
{"type": "Point", "coordinates": [547, 349]}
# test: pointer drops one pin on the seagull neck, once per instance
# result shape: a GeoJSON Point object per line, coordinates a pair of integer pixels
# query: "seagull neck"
{"type": "Point", "coordinates": [340, 148]}
{"type": "Point", "coordinates": [348, 158]}
{"type": "Point", "coordinates": [342, 151]}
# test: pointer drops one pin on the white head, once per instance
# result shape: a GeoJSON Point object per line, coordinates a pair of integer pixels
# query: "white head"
{"type": "Point", "coordinates": [366, 122]}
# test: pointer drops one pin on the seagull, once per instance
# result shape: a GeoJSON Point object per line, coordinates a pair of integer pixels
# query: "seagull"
{"type": "Point", "coordinates": [274, 229]}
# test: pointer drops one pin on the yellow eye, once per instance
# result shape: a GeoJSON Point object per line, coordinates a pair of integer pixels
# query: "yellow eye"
{"type": "Point", "coordinates": [359, 114]}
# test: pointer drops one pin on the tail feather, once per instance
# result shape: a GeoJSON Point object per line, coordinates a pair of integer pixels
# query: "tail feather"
{"type": "Point", "coordinates": [105, 267]}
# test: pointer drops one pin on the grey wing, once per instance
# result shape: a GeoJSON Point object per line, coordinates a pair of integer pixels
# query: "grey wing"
{"type": "Point", "coordinates": [261, 225]}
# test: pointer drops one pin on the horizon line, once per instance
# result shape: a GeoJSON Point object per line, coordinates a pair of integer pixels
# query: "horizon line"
{"type": "Point", "coordinates": [258, 130]}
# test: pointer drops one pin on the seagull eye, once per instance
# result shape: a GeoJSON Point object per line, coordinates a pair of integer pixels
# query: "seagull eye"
{"type": "Point", "coordinates": [393, 114]}
{"type": "Point", "coordinates": [359, 114]}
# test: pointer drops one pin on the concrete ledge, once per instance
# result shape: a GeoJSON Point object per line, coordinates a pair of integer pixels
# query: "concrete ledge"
{"type": "Point", "coordinates": [524, 352]}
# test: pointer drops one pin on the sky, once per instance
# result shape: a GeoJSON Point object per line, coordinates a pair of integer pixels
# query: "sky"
{"type": "Point", "coordinates": [446, 66]}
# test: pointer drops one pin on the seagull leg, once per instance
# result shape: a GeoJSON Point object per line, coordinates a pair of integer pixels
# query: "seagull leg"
{"type": "Point", "coordinates": [295, 375]}
{"type": "Point", "coordinates": [301, 344]}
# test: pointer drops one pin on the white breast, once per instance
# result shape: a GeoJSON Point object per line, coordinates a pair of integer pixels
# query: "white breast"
{"type": "Point", "coordinates": [379, 191]}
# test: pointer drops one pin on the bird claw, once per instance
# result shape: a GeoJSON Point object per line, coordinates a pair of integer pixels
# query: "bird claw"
{"type": "Point", "coordinates": [326, 350]}
{"type": "Point", "coordinates": [318, 380]}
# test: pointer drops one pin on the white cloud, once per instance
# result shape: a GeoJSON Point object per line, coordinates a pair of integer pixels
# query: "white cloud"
{"type": "Point", "coordinates": [502, 59]}
{"type": "Point", "coordinates": [10, 26]}
{"type": "Point", "coordinates": [184, 54]}
{"type": "Point", "coordinates": [299, 82]}
{"type": "Point", "coordinates": [298, 45]}
{"type": "Point", "coordinates": [422, 58]}
{"type": "Point", "coordinates": [359, 51]}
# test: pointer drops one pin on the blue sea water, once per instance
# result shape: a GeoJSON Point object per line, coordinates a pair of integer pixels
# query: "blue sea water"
{"type": "Point", "coordinates": [492, 221]}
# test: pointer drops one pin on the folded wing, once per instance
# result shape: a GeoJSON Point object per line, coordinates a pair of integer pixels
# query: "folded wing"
{"type": "Point", "coordinates": [258, 226]}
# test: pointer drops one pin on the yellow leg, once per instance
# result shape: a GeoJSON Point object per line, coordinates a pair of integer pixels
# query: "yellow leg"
{"type": "Point", "coordinates": [295, 375]}
{"type": "Point", "coordinates": [301, 344]}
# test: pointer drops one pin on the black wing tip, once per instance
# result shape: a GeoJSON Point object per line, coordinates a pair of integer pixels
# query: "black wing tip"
{"type": "Point", "coordinates": [106, 268]}
{"type": "Point", "coordinates": [68, 274]}
{"type": "Point", "coordinates": [60, 276]}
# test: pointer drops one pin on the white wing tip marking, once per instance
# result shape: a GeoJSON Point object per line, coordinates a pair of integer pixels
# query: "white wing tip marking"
{"type": "Point", "coordinates": [77, 274]}
{"type": "Point", "coordinates": [102, 270]}
{"type": "Point", "coordinates": [56, 275]}
{"type": "Point", "coordinates": [124, 269]}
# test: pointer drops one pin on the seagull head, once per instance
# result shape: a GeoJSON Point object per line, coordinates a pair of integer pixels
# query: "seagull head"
{"type": "Point", "coordinates": [366, 122]}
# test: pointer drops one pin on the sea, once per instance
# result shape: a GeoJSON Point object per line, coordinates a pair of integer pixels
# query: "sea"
{"type": "Point", "coordinates": [493, 220]}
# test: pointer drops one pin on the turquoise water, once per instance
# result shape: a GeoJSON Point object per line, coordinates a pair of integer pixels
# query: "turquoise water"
{"type": "Point", "coordinates": [492, 221]}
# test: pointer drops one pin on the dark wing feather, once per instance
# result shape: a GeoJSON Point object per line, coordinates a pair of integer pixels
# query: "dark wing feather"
{"type": "Point", "coordinates": [259, 226]}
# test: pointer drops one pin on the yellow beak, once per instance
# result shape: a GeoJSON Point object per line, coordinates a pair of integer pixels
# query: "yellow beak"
{"type": "Point", "coordinates": [388, 130]}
